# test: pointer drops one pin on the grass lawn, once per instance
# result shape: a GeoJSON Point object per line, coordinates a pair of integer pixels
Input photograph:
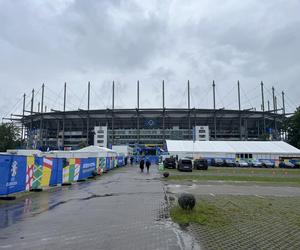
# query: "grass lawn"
{"type": "Point", "coordinates": [280, 176]}
{"type": "Point", "coordinates": [242, 222]}
{"type": "Point", "coordinates": [226, 170]}
{"type": "Point", "coordinates": [203, 214]}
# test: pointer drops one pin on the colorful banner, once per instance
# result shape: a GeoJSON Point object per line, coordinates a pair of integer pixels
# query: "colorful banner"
{"type": "Point", "coordinates": [102, 162]}
{"type": "Point", "coordinates": [71, 170]}
{"type": "Point", "coordinates": [47, 171]}
{"type": "Point", "coordinates": [20, 173]}
{"type": "Point", "coordinates": [29, 172]}
{"type": "Point", "coordinates": [37, 173]}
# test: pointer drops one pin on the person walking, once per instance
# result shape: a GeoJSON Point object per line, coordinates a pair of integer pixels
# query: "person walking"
{"type": "Point", "coordinates": [142, 163]}
{"type": "Point", "coordinates": [148, 164]}
{"type": "Point", "coordinates": [131, 160]}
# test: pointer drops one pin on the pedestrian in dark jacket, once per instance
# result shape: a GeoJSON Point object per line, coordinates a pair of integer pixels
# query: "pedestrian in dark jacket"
{"type": "Point", "coordinates": [131, 160]}
{"type": "Point", "coordinates": [148, 164]}
{"type": "Point", "coordinates": [142, 163]}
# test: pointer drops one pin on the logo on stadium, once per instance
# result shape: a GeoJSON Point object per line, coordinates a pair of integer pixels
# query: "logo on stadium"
{"type": "Point", "coordinates": [150, 123]}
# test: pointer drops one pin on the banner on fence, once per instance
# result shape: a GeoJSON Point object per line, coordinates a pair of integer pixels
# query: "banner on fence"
{"type": "Point", "coordinates": [88, 165]}
{"type": "Point", "coordinates": [71, 170]}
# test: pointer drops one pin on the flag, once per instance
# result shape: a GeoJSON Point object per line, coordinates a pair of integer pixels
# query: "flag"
{"type": "Point", "coordinates": [66, 169]}
{"type": "Point", "coordinates": [29, 172]}
{"type": "Point", "coordinates": [47, 170]}
{"type": "Point", "coordinates": [76, 169]}
{"type": "Point", "coordinates": [37, 173]}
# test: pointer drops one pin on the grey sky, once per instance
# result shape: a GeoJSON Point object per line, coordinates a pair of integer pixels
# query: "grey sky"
{"type": "Point", "coordinates": [99, 41]}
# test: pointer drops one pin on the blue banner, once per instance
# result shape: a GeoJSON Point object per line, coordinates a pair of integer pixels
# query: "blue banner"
{"type": "Point", "coordinates": [12, 174]}
{"type": "Point", "coordinates": [59, 164]}
{"type": "Point", "coordinates": [107, 165]}
{"type": "Point", "coordinates": [56, 175]}
{"type": "Point", "coordinates": [120, 161]}
{"type": "Point", "coordinates": [17, 175]}
{"type": "Point", "coordinates": [88, 165]}
{"type": "Point", "coordinates": [5, 162]}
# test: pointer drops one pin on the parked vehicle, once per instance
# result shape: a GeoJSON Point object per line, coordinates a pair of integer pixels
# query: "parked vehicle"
{"type": "Point", "coordinates": [255, 163]}
{"type": "Point", "coordinates": [217, 162]}
{"type": "Point", "coordinates": [170, 162]}
{"type": "Point", "coordinates": [286, 164]}
{"type": "Point", "coordinates": [185, 165]}
{"type": "Point", "coordinates": [242, 163]}
{"type": "Point", "coordinates": [267, 164]}
{"type": "Point", "coordinates": [229, 163]}
{"type": "Point", "coordinates": [201, 164]}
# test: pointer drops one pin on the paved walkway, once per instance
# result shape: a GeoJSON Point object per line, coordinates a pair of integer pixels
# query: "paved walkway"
{"type": "Point", "coordinates": [122, 210]}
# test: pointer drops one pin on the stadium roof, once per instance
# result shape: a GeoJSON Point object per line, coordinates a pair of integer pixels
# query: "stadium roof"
{"type": "Point", "coordinates": [260, 147]}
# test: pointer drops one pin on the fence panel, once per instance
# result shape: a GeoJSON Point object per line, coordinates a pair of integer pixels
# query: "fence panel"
{"type": "Point", "coordinates": [88, 166]}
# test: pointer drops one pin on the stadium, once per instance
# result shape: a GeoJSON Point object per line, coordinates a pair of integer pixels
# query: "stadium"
{"type": "Point", "coordinates": [148, 126]}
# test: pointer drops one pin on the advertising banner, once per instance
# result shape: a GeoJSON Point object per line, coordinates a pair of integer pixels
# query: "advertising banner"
{"type": "Point", "coordinates": [107, 164]}
{"type": "Point", "coordinates": [5, 162]}
{"type": "Point", "coordinates": [16, 174]}
{"type": "Point", "coordinates": [120, 161]}
{"type": "Point", "coordinates": [88, 165]}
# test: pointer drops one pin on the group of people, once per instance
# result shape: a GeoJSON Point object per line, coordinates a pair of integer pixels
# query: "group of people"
{"type": "Point", "coordinates": [143, 163]}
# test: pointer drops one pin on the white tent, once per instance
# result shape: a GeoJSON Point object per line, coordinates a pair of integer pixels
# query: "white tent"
{"type": "Point", "coordinates": [97, 151]}
{"type": "Point", "coordinates": [90, 151]}
{"type": "Point", "coordinates": [259, 149]}
{"type": "Point", "coordinates": [25, 152]}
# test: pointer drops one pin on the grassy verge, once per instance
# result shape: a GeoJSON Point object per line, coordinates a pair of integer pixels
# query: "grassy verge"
{"type": "Point", "coordinates": [234, 178]}
{"type": "Point", "coordinates": [203, 214]}
{"type": "Point", "coordinates": [226, 170]}
{"type": "Point", "coordinates": [243, 222]}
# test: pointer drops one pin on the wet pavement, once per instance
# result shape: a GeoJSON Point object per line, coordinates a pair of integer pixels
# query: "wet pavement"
{"type": "Point", "coordinates": [122, 210]}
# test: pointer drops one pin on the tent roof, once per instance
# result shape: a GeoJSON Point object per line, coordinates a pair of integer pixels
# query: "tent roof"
{"type": "Point", "coordinates": [96, 149]}
{"type": "Point", "coordinates": [260, 147]}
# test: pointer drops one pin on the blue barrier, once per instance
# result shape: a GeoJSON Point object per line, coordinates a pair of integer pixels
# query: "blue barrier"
{"type": "Point", "coordinates": [17, 176]}
{"type": "Point", "coordinates": [87, 167]}
{"type": "Point", "coordinates": [12, 174]}
{"type": "Point", "coordinates": [120, 160]}
{"type": "Point", "coordinates": [59, 163]}
{"type": "Point", "coordinates": [107, 164]}
{"type": "Point", "coordinates": [21, 173]}
{"type": "Point", "coordinates": [5, 162]}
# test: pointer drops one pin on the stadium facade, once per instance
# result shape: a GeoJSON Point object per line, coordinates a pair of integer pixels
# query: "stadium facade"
{"type": "Point", "coordinates": [148, 126]}
{"type": "Point", "coordinates": [152, 126]}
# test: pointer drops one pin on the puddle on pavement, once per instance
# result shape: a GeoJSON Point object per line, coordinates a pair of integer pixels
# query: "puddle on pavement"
{"type": "Point", "coordinates": [184, 240]}
{"type": "Point", "coordinates": [15, 211]}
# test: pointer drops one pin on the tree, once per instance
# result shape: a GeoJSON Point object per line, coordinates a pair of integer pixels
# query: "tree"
{"type": "Point", "coordinates": [9, 136]}
{"type": "Point", "coordinates": [292, 126]}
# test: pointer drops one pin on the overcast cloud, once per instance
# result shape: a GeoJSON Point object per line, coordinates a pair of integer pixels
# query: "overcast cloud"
{"type": "Point", "coordinates": [99, 41]}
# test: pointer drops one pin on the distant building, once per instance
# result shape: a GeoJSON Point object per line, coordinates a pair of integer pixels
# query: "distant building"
{"type": "Point", "coordinates": [100, 136]}
{"type": "Point", "coordinates": [201, 133]}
